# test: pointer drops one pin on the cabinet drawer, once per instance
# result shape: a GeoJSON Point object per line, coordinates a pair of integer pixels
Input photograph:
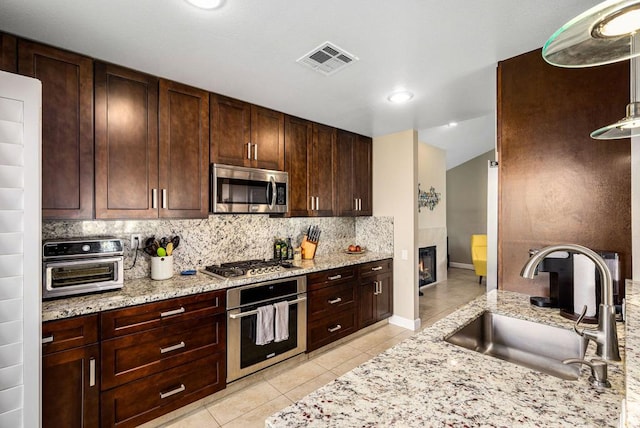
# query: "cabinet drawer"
{"type": "Point", "coordinates": [375, 268]}
{"type": "Point", "coordinates": [135, 319]}
{"type": "Point", "coordinates": [69, 333]}
{"type": "Point", "coordinates": [145, 399]}
{"type": "Point", "coordinates": [332, 299]}
{"type": "Point", "coordinates": [132, 357]}
{"type": "Point", "coordinates": [326, 278]}
{"type": "Point", "coordinates": [328, 329]}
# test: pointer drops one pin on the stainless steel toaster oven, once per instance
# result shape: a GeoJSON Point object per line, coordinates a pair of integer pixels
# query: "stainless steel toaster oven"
{"type": "Point", "coordinates": [80, 266]}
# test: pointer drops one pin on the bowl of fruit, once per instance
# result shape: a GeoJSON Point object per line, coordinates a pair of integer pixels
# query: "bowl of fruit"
{"type": "Point", "coordinates": [355, 249]}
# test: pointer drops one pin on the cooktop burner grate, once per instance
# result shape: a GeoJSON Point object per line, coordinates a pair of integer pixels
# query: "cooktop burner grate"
{"type": "Point", "coordinates": [247, 268]}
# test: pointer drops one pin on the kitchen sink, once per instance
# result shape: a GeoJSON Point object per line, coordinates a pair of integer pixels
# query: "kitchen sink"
{"type": "Point", "coordinates": [533, 345]}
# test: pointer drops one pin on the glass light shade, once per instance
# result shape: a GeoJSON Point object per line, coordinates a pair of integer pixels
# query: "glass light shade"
{"type": "Point", "coordinates": [627, 127]}
{"type": "Point", "coordinates": [400, 97]}
{"type": "Point", "coordinates": [205, 4]}
{"type": "Point", "coordinates": [601, 35]}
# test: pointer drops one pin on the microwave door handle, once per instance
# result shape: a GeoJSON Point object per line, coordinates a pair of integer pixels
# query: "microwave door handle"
{"type": "Point", "coordinates": [271, 199]}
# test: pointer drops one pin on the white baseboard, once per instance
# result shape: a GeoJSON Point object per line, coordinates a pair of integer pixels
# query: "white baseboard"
{"type": "Point", "coordinates": [461, 265]}
{"type": "Point", "coordinates": [413, 325]}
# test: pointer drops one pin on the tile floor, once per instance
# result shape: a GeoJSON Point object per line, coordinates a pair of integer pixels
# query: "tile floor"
{"type": "Point", "coordinates": [249, 406]}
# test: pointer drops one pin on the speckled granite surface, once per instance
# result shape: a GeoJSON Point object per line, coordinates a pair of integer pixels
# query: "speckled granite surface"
{"type": "Point", "coordinates": [632, 351]}
{"type": "Point", "coordinates": [144, 290]}
{"type": "Point", "coordinates": [227, 238]}
{"type": "Point", "coordinates": [427, 382]}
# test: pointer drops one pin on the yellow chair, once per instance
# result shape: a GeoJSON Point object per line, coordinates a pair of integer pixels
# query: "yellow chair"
{"type": "Point", "coordinates": [479, 255]}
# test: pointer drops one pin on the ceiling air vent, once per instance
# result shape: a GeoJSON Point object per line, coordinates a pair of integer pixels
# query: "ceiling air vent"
{"type": "Point", "coordinates": [327, 58]}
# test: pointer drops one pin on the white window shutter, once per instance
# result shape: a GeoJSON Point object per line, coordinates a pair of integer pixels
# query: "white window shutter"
{"type": "Point", "coordinates": [20, 243]}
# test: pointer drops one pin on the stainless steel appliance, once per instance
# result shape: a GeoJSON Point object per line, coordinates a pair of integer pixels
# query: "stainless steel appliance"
{"type": "Point", "coordinates": [248, 268]}
{"type": "Point", "coordinates": [236, 189]}
{"type": "Point", "coordinates": [243, 355]}
{"type": "Point", "coordinates": [82, 265]}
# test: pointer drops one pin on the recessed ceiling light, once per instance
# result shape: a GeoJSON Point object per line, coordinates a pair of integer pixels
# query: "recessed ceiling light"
{"type": "Point", "coordinates": [206, 4]}
{"type": "Point", "coordinates": [400, 97]}
{"type": "Point", "coordinates": [452, 124]}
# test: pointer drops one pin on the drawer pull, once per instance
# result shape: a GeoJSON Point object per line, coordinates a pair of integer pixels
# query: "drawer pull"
{"type": "Point", "coordinates": [48, 339]}
{"type": "Point", "coordinates": [336, 300]}
{"type": "Point", "coordinates": [334, 329]}
{"type": "Point", "coordinates": [92, 372]}
{"type": "Point", "coordinates": [173, 312]}
{"type": "Point", "coordinates": [178, 390]}
{"type": "Point", "coordinates": [334, 277]}
{"type": "Point", "coordinates": [376, 268]}
{"type": "Point", "coordinates": [172, 348]}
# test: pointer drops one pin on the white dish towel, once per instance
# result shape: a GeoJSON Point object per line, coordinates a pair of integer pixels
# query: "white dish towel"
{"type": "Point", "coordinates": [282, 320]}
{"type": "Point", "coordinates": [264, 325]}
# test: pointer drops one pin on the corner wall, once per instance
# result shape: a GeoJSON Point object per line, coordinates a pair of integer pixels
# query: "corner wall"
{"type": "Point", "coordinates": [395, 188]}
{"type": "Point", "coordinates": [432, 225]}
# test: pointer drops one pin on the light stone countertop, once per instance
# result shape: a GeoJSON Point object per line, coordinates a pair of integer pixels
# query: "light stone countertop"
{"type": "Point", "coordinates": [427, 382]}
{"type": "Point", "coordinates": [632, 352]}
{"type": "Point", "coordinates": [145, 290]}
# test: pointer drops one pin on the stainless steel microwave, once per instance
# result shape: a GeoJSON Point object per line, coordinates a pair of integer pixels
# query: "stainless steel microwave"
{"type": "Point", "coordinates": [236, 189]}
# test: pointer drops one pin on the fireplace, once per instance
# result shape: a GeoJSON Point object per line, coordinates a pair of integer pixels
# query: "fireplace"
{"type": "Point", "coordinates": [426, 266]}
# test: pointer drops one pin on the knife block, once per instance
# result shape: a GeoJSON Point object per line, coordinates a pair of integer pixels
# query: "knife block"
{"type": "Point", "coordinates": [308, 249]}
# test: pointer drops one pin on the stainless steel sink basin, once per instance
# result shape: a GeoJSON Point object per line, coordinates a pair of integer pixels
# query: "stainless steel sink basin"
{"type": "Point", "coordinates": [536, 346]}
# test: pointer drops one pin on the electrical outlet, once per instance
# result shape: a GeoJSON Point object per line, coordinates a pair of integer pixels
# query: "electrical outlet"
{"type": "Point", "coordinates": [136, 240]}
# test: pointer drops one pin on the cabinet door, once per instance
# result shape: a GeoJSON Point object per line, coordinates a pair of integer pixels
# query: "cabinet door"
{"type": "Point", "coordinates": [298, 136]}
{"type": "Point", "coordinates": [267, 138]}
{"type": "Point", "coordinates": [346, 204]}
{"type": "Point", "coordinates": [67, 128]}
{"type": "Point", "coordinates": [321, 169]}
{"type": "Point", "coordinates": [70, 388]}
{"type": "Point", "coordinates": [126, 137]}
{"type": "Point", "coordinates": [230, 131]}
{"type": "Point", "coordinates": [362, 174]}
{"type": "Point", "coordinates": [384, 299]}
{"type": "Point", "coordinates": [366, 302]}
{"type": "Point", "coordinates": [184, 151]}
{"type": "Point", "coordinates": [8, 53]}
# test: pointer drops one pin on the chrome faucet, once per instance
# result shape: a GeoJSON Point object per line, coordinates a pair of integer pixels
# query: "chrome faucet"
{"type": "Point", "coordinates": [605, 336]}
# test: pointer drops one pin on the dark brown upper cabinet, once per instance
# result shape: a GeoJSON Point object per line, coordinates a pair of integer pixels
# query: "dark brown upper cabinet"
{"type": "Point", "coordinates": [243, 134]}
{"type": "Point", "coordinates": [321, 155]}
{"type": "Point", "coordinates": [126, 140]}
{"type": "Point", "coordinates": [353, 174]}
{"type": "Point", "coordinates": [184, 151]}
{"type": "Point", "coordinates": [298, 137]}
{"type": "Point", "coordinates": [8, 53]}
{"type": "Point", "coordinates": [67, 128]}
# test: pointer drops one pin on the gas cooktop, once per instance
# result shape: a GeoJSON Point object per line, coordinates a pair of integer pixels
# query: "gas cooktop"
{"type": "Point", "coordinates": [247, 268]}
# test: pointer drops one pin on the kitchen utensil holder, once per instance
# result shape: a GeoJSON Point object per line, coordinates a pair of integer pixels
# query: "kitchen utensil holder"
{"type": "Point", "coordinates": [161, 267]}
{"type": "Point", "coordinates": [308, 249]}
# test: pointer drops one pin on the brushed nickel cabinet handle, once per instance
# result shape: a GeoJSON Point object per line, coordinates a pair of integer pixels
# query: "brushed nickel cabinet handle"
{"type": "Point", "coordinates": [317, 202]}
{"type": "Point", "coordinates": [172, 348]}
{"type": "Point", "coordinates": [334, 277]}
{"type": "Point", "coordinates": [154, 198]}
{"type": "Point", "coordinates": [178, 390]}
{"type": "Point", "coordinates": [47, 339]}
{"type": "Point", "coordinates": [376, 289]}
{"type": "Point", "coordinates": [255, 152]}
{"type": "Point", "coordinates": [312, 203]}
{"type": "Point", "coordinates": [180, 310]}
{"type": "Point", "coordinates": [249, 150]}
{"type": "Point", "coordinates": [359, 204]}
{"type": "Point", "coordinates": [92, 371]}
{"type": "Point", "coordinates": [164, 199]}
{"type": "Point", "coordinates": [334, 301]}
{"type": "Point", "coordinates": [376, 268]}
{"type": "Point", "coordinates": [334, 329]}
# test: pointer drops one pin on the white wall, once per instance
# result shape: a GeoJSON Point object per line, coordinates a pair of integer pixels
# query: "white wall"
{"type": "Point", "coordinates": [432, 225]}
{"type": "Point", "coordinates": [395, 188]}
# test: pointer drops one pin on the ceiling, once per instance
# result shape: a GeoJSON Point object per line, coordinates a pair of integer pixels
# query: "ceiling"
{"type": "Point", "coordinates": [444, 51]}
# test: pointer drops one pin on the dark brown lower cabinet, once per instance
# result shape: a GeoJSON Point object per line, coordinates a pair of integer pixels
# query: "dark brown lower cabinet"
{"type": "Point", "coordinates": [375, 292]}
{"type": "Point", "coordinates": [145, 399]}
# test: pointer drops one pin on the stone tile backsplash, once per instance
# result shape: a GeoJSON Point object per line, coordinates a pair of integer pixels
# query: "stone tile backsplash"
{"type": "Point", "coordinates": [226, 238]}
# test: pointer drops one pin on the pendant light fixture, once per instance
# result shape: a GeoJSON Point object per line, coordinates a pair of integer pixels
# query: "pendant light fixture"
{"type": "Point", "coordinates": [604, 34]}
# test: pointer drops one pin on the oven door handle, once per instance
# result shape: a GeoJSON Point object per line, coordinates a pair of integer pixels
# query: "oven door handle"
{"type": "Point", "coordinates": [249, 313]}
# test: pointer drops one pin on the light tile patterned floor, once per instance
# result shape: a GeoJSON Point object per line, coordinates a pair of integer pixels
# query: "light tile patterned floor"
{"type": "Point", "coordinates": [250, 406]}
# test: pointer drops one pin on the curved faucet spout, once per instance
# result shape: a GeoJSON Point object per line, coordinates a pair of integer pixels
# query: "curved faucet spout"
{"type": "Point", "coordinates": [606, 337]}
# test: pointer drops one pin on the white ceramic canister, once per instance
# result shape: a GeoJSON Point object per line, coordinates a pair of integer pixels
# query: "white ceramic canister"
{"type": "Point", "coordinates": [161, 267]}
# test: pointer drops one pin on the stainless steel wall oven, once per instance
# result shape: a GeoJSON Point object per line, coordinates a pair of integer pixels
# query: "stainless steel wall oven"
{"type": "Point", "coordinates": [244, 356]}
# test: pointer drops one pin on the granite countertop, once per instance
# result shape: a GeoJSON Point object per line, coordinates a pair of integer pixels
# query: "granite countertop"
{"type": "Point", "coordinates": [632, 353]}
{"type": "Point", "coordinates": [425, 381]}
{"type": "Point", "coordinates": [144, 290]}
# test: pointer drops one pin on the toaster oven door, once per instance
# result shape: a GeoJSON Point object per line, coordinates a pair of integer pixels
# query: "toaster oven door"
{"type": "Point", "coordinates": [70, 277]}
